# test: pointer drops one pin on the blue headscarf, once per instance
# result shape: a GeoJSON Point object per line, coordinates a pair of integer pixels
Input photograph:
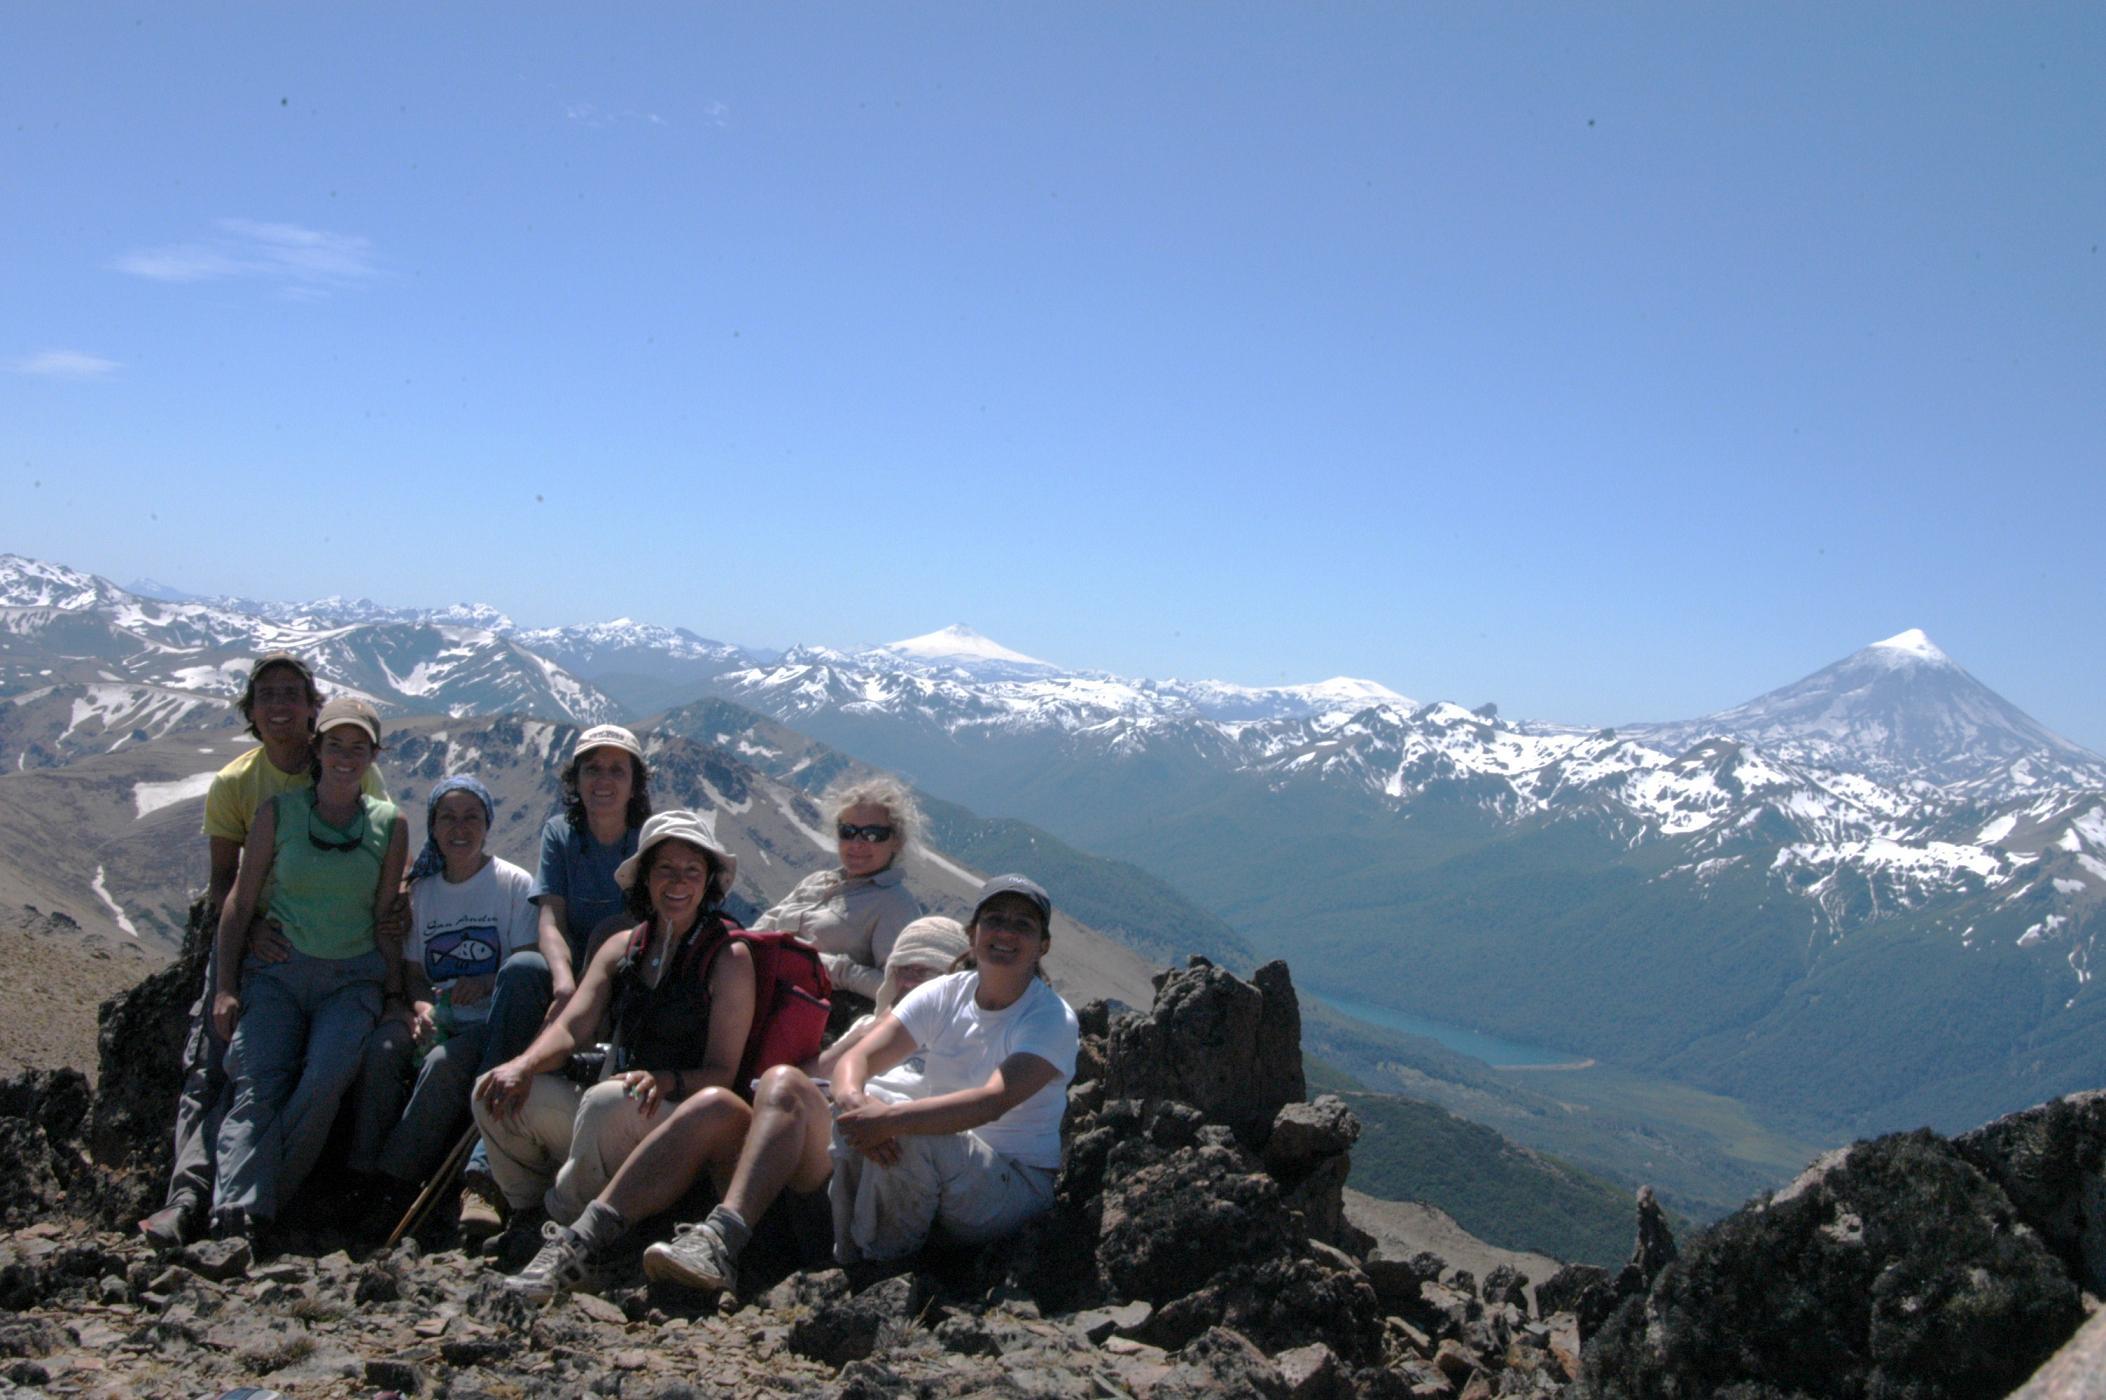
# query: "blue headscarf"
{"type": "Point", "coordinates": [429, 860]}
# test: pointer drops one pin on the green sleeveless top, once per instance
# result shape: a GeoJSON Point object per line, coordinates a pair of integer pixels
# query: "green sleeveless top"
{"type": "Point", "coordinates": [321, 897]}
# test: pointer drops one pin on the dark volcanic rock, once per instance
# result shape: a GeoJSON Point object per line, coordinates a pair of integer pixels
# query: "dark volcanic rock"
{"type": "Point", "coordinates": [1584, 1290]}
{"type": "Point", "coordinates": [1505, 1286]}
{"type": "Point", "coordinates": [2051, 1162]}
{"type": "Point", "coordinates": [841, 1330]}
{"type": "Point", "coordinates": [1397, 1280]}
{"type": "Point", "coordinates": [1166, 1199]}
{"type": "Point", "coordinates": [1219, 1362]}
{"type": "Point", "coordinates": [1196, 1246]}
{"type": "Point", "coordinates": [1307, 1153]}
{"type": "Point", "coordinates": [56, 1100]}
{"type": "Point", "coordinates": [1654, 1251]}
{"type": "Point", "coordinates": [40, 1156]}
{"type": "Point", "coordinates": [1894, 1267]}
{"type": "Point", "coordinates": [139, 1044]}
{"type": "Point", "coordinates": [29, 1337]}
{"type": "Point", "coordinates": [1231, 1049]}
{"type": "Point", "coordinates": [1167, 1225]}
{"type": "Point", "coordinates": [31, 1185]}
{"type": "Point", "coordinates": [392, 1373]}
{"type": "Point", "coordinates": [218, 1260]}
{"type": "Point", "coordinates": [1280, 1304]}
{"type": "Point", "coordinates": [1305, 1135]}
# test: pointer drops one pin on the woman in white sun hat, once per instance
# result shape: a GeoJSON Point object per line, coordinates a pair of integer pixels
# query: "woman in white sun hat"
{"type": "Point", "coordinates": [681, 1000]}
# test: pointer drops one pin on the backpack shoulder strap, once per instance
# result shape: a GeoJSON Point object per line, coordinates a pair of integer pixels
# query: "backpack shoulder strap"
{"type": "Point", "coordinates": [699, 958]}
{"type": "Point", "coordinates": [636, 940]}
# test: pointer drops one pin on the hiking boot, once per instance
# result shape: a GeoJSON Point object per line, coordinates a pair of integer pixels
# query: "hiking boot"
{"type": "Point", "coordinates": [510, 1248]}
{"type": "Point", "coordinates": [561, 1266]}
{"type": "Point", "coordinates": [482, 1208]}
{"type": "Point", "coordinates": [176, 1224]}
{"type": "Point", "coordinates": [695, 1257]}
{"type": "Point", "coordinates": [234, 1223]}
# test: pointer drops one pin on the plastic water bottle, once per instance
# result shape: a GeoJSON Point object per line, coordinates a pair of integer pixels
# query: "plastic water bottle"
{"type": "Point", "coordinates": [441, 1024]}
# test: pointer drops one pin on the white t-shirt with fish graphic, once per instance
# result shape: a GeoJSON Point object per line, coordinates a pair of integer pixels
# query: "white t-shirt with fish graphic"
{"type": "Point", "coordinates": [466, 930]}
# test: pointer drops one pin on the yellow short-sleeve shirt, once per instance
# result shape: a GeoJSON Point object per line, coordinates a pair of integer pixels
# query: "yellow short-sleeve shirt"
{"type": "Point", "coordinates": [241, 788]}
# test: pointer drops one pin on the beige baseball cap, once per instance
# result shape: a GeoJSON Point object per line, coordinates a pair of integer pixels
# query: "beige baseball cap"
{"type": "Point", "coordinates": [349, 709]}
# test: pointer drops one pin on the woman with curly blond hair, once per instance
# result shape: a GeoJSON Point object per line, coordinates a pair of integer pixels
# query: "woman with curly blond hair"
{"type": "Point", "coordinates": [855, 912]}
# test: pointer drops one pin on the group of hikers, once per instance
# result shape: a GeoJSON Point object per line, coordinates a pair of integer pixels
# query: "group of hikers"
{"type": "Point", "coordinates": [596, 1017]}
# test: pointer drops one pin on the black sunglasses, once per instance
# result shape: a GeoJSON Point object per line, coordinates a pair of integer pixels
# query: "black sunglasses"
{"type": "Point", "coordinates": [339, 846]}
{"type": "Point", "coordinates": [877, 833]}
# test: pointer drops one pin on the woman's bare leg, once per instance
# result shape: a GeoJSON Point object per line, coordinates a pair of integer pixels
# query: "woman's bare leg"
{"type": "Point", "coordinates": [785, 1147]}
{"type": "Point", "coordinates": [703, 1133]}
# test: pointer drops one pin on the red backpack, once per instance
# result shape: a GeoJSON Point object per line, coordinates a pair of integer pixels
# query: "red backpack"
{"type": "Point", "coordinates": [792, 997]}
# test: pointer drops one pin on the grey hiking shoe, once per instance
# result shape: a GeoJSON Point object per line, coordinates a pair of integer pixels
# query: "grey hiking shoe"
{"type": "Point", "coordinates": [695, 1257]}
{"type": "Point", "coordinates": [561, 1266]}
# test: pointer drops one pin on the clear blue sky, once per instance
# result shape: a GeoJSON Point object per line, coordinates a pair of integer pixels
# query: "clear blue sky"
{"type": "Point", "coordinates": [1609, 363]}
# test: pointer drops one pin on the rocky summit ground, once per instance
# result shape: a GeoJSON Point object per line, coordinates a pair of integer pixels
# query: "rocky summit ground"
{"type": "Point", "coordinates": [1199, 1244]}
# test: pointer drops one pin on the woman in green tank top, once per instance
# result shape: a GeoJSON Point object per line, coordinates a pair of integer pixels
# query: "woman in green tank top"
{"type": "Point", "coordinates": [295, 1029]}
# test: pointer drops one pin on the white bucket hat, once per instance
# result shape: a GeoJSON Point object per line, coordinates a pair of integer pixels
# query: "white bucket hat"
{"type": "Point", "coordinates": [697, 829]}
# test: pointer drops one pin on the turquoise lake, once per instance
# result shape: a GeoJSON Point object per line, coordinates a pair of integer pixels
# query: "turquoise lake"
{"type": "Point", "coordinates": [1489, 1048]}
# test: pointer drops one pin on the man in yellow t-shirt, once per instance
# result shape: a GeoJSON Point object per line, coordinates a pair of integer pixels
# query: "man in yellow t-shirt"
{"type": "Point", "coordinates": [279, 703]}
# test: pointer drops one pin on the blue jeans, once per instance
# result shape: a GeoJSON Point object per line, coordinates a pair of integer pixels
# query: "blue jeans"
{"type": "Point", "coordinates": [295, 1051]}
{"type": "Point", "coordinates": [409, 1142]}
{"type": "Point", "coordinates": [518, 1003]}
{"type": "Point", "coordinates": [202, 1101]}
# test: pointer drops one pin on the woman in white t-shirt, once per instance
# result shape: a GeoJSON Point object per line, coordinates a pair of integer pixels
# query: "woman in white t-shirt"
{"type": "Point", "coordinates": [974, 1152]}
{"type": "Point", "coordinates": [470, 911]}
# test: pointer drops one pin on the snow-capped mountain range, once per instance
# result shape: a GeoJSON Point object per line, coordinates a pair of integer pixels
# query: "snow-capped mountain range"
{"type": "Point", "coordinates": [1884, 761]}
{"type": "Point", "coordinates": [1890, 797]}
{"type": "Point", "coordinates": [1890, 790]}
{"type": "Point", "coordinates": [60, 627]}
{"type": "Point", "coordinates": [954, 680]}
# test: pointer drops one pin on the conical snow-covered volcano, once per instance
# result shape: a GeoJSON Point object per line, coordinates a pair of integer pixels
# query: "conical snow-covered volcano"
{"type": "Point", "coordinates": [1900, 710]}
{"type": "Point", "coordinates": [960, 646]}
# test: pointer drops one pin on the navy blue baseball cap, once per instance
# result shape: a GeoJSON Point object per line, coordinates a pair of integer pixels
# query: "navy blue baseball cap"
{"type": "Point", "coordinates": [1016, 884]}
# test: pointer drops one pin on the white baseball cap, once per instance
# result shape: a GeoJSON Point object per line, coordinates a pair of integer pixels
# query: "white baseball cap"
{"type": "Point", "coordinates": [606, 736]}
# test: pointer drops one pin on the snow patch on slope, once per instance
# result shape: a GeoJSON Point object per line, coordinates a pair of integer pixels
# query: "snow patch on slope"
{"type": "Point", "coordinates": [102, 892]}
{"type": "Point", "coordinates": [148, 798]}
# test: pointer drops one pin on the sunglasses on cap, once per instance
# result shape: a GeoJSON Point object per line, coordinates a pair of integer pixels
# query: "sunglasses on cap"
{"type": "Point", "coordinates": [322, 843]}
{"type": "Point", "coordinates": [877, 833]}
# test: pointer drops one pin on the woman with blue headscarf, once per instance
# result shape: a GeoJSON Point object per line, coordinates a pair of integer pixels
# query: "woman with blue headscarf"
{"type": "Point", "coordinates": [469, 911]}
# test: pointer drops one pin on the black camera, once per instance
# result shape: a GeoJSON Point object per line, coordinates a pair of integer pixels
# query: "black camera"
{"type": "Point", "coordinates": [589, 1067]}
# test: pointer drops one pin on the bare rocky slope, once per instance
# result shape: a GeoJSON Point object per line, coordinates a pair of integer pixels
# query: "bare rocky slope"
{"type": "Point", "coordinates": [58, 972]}
{"type": "Point", "coordinates": [1199, 1245]}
